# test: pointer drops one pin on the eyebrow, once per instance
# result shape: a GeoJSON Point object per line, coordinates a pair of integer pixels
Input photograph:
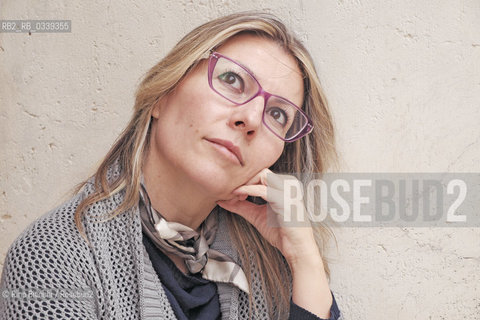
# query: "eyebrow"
{"type": "Point", "coordinates": [246, 68]}
{"type": "Point", "coordinates": [253, 73]}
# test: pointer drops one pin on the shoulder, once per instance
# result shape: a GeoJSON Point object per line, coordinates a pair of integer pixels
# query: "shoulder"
{"type": "Point", "coordinates": [49, 253]}
{"type": "Point", "coordinates": [49, 270]}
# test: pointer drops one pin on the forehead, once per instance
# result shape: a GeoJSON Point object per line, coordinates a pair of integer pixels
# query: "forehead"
{"type": "Point", "coordinates": [275, 69]}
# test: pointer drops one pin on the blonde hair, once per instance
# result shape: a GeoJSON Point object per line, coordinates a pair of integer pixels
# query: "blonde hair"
{"type": "Point", "coordinates": [314, 153]}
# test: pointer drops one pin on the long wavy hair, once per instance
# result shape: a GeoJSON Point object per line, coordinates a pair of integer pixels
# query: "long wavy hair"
{"type": "Point", "coordinates": [315, 153]}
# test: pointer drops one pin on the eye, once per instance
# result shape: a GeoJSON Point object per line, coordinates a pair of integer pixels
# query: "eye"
{"type": "Point", "coordinates": [278, 115]}
{"type": "Point", "coordinates": [233, 81]}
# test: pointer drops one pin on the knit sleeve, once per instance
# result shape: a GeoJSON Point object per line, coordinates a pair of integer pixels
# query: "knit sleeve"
{"type": "Point", "coordinates": [46, 274]}
{"type": "Point", "coordinates": [299, 313]}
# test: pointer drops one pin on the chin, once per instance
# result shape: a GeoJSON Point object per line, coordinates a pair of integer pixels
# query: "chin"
{"type": "Point", "coordinates": [216, 184]}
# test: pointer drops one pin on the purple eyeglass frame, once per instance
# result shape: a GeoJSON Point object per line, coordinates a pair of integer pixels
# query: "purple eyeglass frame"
{"type": "Point", "coordinates": [212, 62]}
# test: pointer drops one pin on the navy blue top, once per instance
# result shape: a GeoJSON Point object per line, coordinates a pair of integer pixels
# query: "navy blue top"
{"type": "Point", "coordinates": [193, 297]}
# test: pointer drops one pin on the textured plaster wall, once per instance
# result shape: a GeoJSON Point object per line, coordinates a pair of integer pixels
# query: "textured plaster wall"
{"type": "Point", "coordinates": [402, 78]}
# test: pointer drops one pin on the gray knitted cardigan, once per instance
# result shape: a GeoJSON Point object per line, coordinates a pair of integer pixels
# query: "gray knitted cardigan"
{"type": "Point", "coordinates": [51, 273]}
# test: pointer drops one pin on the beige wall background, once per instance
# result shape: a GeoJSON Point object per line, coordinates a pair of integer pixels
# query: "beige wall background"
{"type": "Point", "coordinates": [402, 78]}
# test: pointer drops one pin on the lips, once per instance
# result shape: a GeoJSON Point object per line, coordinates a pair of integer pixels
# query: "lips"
{"type": "Point", "coordinates": [229, 146]}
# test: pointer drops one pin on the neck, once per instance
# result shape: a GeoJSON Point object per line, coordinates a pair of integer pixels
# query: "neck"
{"type": "Point", "coordinates": [174, 196]}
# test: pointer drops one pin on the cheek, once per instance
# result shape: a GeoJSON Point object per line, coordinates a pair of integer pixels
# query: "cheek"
{"type": "Point", "coordinates": [184, 114]}
{"type": "Point", "coordinates": [278, 150]}
{"type": "Point", "coordinates": [197, 110]}
{"type": "Point", "coordinates": [270, 153]}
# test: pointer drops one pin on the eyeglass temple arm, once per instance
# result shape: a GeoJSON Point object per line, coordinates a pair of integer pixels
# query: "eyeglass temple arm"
{"type": "Point", "coordinates": [207, 54]}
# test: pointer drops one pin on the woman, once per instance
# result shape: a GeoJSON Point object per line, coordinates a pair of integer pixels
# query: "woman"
{"type": "Point", "coordinates": [164, 228]}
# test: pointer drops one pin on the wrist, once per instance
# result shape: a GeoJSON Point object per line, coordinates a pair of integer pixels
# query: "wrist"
{"type": "Point", "coordinates": [306, 263]}
{"type": "Point", "coordinates": [310, 288]}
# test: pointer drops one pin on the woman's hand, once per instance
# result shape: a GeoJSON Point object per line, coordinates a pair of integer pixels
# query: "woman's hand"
{"type": "Point", "coordinates": [289, 232]}
{"type": "Point", "coordinates": [293, 237]}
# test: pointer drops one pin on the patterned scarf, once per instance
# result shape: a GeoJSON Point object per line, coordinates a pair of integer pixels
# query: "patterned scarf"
{"type": "Point", "coordinates": [192, 246]}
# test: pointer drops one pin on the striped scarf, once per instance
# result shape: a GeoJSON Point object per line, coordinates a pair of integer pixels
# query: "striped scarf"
{"type": "Point", "coordinates": [192, 246]}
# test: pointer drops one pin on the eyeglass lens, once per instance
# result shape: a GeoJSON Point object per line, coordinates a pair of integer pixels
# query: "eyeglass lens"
{"type": "Point", "coordinates": [236, 84]}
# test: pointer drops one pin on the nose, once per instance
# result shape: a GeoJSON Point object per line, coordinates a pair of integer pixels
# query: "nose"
{"type": "Point", "coordinates": [248, 117]}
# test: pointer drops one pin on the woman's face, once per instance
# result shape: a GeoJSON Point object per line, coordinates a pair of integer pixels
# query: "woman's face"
{"type": "Point", "coordinates": [202, 138]}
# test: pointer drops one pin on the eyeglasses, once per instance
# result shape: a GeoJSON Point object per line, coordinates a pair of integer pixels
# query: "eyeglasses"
{"type": "Point", "coordinates": [237, 84]}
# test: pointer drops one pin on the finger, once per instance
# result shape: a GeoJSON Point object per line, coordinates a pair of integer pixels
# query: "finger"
{"type": "Point", "coordinates": [260, 177]}
{"type": "Point", "coordinates": [268, 178]}
{"type": "Point", "coordinates": [246, 209]}
{"type": "Point", "coordinates": [276, 200]}
{"type": "Point", "coordinates": [279, 181]}
{"type": "Point", "coordinates": [255, 190]}
{"type": "Point", "coordinates": [275, 197]}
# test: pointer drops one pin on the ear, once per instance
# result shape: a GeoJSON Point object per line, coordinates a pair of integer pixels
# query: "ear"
{"type": "Point", "coordinates": [156, 111]}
